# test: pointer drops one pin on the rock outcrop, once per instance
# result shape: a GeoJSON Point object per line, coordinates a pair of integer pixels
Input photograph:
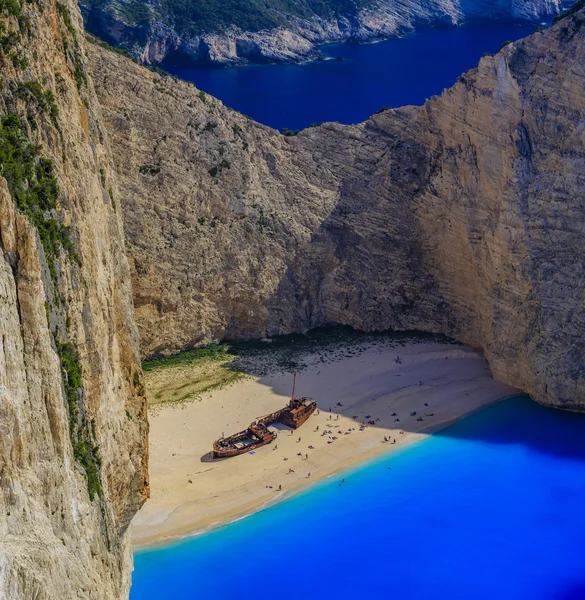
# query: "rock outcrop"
{"type": "Point", "coordinates": [73, 454]}
{"type": "Point", "coordinates": [464, 216]}
{"type": "Point", "coordinates": [157, 35]}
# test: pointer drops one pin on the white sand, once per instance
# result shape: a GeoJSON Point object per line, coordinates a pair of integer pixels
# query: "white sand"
{"type": "Point", "coordinates": [189, 495]}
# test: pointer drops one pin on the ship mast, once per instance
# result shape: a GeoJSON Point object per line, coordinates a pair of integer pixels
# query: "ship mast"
{"type": "Point", "coordinates": [294, 381]}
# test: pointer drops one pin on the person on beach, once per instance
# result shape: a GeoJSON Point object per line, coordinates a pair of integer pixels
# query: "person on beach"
{"type": "Point", "coordinates": [299, 439]}
{"type": "Point", "coordinates": [280, 488]}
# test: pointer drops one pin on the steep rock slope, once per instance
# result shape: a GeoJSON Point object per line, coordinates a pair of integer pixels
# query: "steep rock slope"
{"type": "Point", "coordinates": [463, 216]}
{"type": "Point", "coordinates": [73, 455]}
{"type": "Point", "coordinates": [227, 32]}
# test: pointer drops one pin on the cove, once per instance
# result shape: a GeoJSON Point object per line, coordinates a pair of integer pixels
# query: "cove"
{"type": "Point", "coordinates": [390, 73]}
{"type": "Point", "coordinates": [490, 507]}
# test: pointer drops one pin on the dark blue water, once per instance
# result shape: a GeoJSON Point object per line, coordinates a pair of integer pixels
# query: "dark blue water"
{"type": "Point", "coordinates": [490, 508]}
{"type": "Point", "coordinates": [391, 73]}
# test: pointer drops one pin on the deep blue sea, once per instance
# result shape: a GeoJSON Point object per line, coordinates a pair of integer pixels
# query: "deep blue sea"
{"type": "Point", "coordinates": [492, 507]}
{"type": "Point", "coordinates": [391, 73]}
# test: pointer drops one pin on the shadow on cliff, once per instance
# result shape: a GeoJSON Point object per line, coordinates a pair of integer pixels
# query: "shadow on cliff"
{"type": "Point", "coordinates": [515, 421]}
{"type": "Point", "coordinates": [365, 265]}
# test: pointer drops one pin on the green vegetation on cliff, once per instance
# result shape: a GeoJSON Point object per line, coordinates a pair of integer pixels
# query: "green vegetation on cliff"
{"type": "Point", "coordinates": [209, 16]}
{"type": "Point", "coordinates": [85, 449]}
{"type": "Point", "coordinates": [33, 187]}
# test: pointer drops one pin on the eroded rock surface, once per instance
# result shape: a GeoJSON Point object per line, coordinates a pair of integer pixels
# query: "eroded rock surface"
{"type": "Point", "coordinates": [73, 455]}
{"type": "Point", "coordinates": [463, 216]}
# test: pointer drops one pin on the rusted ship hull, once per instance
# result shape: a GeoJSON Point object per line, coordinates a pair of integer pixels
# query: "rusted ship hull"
{"type": "Point", "coordinates": [242, 442]}
{"type": "Point", "coordinates": [293, 415]}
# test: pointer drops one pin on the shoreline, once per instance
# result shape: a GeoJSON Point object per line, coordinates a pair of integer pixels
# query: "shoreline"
{"type": "Point", "coordinates": [317, 55]}
{"type": "Point", "coordinates": [260, 505]}
{"type": "Point", "coordinates": [191, 497]}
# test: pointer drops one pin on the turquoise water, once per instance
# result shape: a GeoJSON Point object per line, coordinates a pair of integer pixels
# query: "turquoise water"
{"type": "Point", "coordinates": [490, 508]}
{"type": "Point", "coordinates": [390, 73]}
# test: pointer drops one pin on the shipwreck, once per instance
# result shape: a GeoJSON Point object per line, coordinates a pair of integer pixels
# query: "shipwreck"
{"type": "Point", "coordinates": [258, 434]}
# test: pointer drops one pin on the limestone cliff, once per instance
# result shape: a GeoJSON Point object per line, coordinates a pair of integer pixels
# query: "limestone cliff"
{"type": "Point", "coordinates": [73, 456]}
{"type": "Point", "coordinates": [274, 31]}
{"type": "Point", "coordinates": [463, 216]}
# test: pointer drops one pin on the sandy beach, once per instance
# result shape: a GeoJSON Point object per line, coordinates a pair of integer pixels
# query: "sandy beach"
{"type": "Point", "coordinates": [380, 382]}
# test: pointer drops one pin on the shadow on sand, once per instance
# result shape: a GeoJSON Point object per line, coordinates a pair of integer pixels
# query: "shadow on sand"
{"type": "Point", "coordinates": [518, 420]}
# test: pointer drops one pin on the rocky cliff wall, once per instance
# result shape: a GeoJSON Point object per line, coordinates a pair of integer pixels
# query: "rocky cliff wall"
{"type": "Point", "coordinates": [73, 455]}
{"type": "Point", "coordinates": [155, 39]}
{"type": "Point", "coordinates": [463, 216]}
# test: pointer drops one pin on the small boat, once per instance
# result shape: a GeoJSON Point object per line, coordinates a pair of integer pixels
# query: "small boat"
{"type": "Point", "coordinates": [297, 411]}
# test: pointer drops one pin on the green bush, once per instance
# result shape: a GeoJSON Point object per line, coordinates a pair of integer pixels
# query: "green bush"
{"type": "Point", "coordinates": [85, 450]}
{"type": "Point", "coordinates": [149, 169]}
{"type": "Point", "coordinates": [289, 132]}
{"type": "Point", "coordinates": [135, 12]}
{"type": "Point", "coordinates": [33, 187]}
{"type": "Point", "coordinates": [215, 352]}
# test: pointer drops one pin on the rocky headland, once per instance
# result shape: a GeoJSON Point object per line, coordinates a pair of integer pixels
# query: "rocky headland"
{"type": "Point", "coordinates": [275, 33]}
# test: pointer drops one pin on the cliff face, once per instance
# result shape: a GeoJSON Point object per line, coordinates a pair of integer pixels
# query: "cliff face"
{"type": "Point", "coordinates": [73, 457]}
{"type": "Point", "coordinates": [463, 216]}
{"type": "Point", "coordinates": [154, 33]}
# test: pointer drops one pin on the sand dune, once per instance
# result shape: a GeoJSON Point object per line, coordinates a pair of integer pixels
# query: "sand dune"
{"type": "Point", "coordinates": [439, 381]}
